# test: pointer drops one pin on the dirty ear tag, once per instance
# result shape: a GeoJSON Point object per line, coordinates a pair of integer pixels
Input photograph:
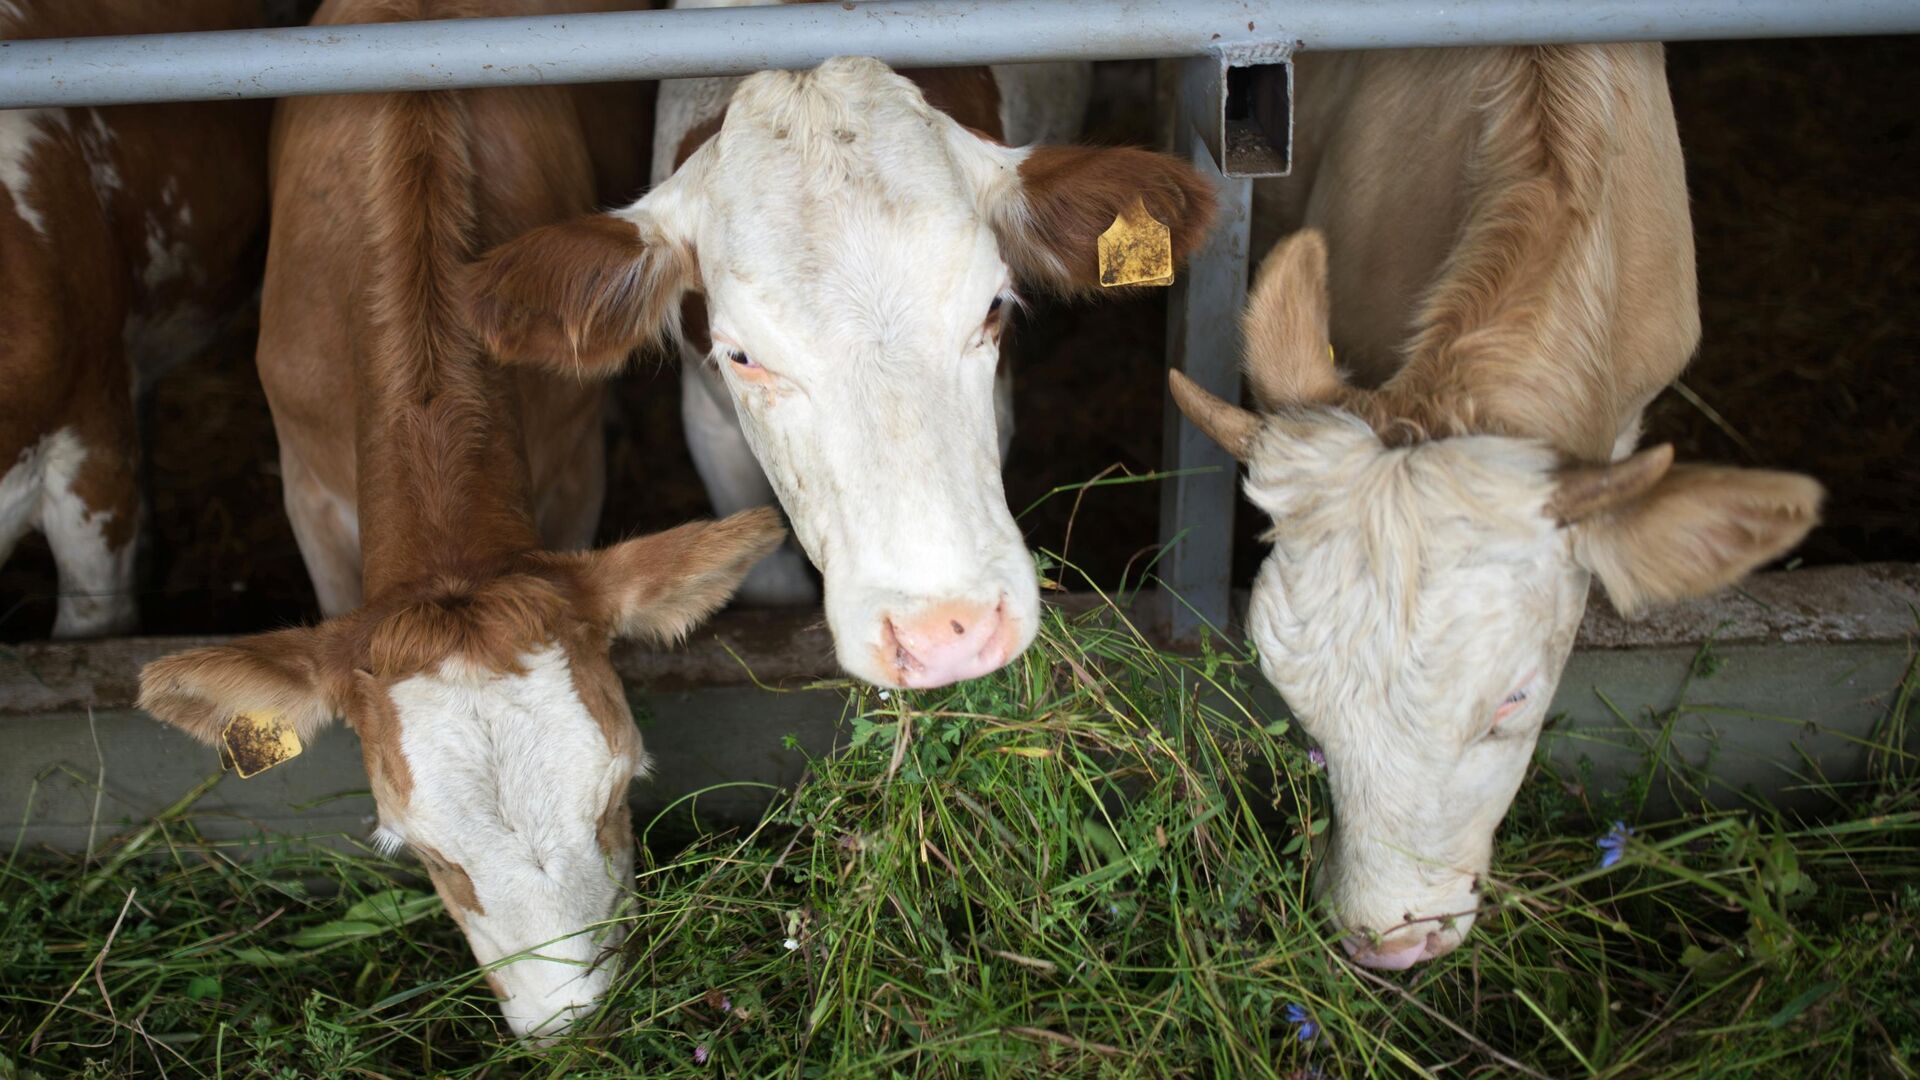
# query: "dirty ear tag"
{"type": "Point", "coordinates": [255, 742]}
{"type": "Point", "coordinates": [1136, 249]}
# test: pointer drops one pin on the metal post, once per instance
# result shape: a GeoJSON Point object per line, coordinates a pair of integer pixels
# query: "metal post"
{"type": "Point", "coordinates": [454, 53]}
{"type": "Point", "coordinates": [1203, 340]}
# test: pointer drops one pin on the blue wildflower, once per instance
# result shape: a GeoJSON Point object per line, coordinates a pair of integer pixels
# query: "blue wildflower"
{"type": "Point", "coordinates": [1613, 845]}
{"type": "Point", "coordinates": [1298, 1015]}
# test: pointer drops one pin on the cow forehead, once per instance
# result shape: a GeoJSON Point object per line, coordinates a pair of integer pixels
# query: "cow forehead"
{"type": "Point", "coordinates": [504, 763]}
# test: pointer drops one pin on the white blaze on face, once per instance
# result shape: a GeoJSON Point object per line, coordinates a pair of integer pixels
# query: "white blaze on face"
{"type": "Point", "coordinates": [1416, 612]}
{"type": "Point", "coordinates": [511, 777]}
{"type": "Point", "coordinates": [849, 273]}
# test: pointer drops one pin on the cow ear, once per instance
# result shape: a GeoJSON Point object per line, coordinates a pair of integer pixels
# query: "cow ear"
{"type": "Point", "coordinates": [1050, 226]}
{"type": "Point", "coordinates": [662, 586]}
{"type": "Point", "coordinates": [1697, 529]}
{"type": "Point", "coordinates": [288, 674]}
{"type": "Point", "coordinates": [579, 296]}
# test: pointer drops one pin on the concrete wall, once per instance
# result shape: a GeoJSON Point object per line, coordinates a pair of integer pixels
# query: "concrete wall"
{"type": "Point", "coordinates": [1798, 668]}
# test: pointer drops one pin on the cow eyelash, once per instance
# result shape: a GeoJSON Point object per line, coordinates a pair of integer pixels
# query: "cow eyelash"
{"type": "Point", "coordinates": [1514, 698]}
{"type": "Point", "coordinates": [740, 358]}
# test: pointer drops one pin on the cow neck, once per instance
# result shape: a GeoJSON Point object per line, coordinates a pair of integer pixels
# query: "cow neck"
{"type": "Point", "coordinates": [443, 480]}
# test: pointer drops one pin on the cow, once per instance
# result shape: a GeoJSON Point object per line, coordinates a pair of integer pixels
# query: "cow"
{"type": "Point", "coordinates": [475, 670]}
{"type": "Point", "coordinates": [839, 251]}
{"type": "Point", "coordinates": [1512, 281]}
{"type": "Point", "coordinates": [126, 238]}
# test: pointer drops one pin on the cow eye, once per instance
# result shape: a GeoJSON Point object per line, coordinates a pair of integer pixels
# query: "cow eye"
{"type": "Point", "coordinates": [741, 359]}
{"type": "Point", "coordinates": [994, 308]}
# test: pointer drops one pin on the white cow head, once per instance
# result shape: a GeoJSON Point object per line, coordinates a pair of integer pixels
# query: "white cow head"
{"type": "Point", "coordinates": [495, 733]}
{"type": "Point", "coordinates": [858, 250]}
{"type": "Point", "coordinates": [1420, 602]}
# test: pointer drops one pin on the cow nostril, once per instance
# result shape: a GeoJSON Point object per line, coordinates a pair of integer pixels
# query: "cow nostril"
{"type": "Point", "coordinates": [957, 628]}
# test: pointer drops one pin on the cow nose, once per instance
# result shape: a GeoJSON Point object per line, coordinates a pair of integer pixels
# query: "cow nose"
{"type": "Point", "coordinates": [1397, 955]}
{"type": "Point", "coordinates": [948, 642]}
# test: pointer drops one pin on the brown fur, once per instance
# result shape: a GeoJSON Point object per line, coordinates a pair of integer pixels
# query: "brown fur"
{"type": "Point", "coordinates": [450, 880]}
{"type": "Point", "coordinates": [580, 295]}
{"type": "Point", "coordinates": [1073, 194]}
{"type": "Point", "coordinates": [622, 586]}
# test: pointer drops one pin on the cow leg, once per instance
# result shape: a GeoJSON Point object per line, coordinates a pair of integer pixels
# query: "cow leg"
{"type": "Point", "coordinates": [90, 511]}
{"type": "Point", "coordinates": [735, 482]}
{"type": "Point", "coordinates": [19, 496]}
{"type": "Point", "coordinates": [327, 528]}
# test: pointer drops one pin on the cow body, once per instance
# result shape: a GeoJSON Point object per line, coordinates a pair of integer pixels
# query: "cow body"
{"type": "Point", "coordinates": [1498, 252]}
{"type": "Point", "coordinates": [547, 153]}
{"type": "Point", "coordinates": [124, 236]}
{"type": "Point", "coordinates": [473, 662]}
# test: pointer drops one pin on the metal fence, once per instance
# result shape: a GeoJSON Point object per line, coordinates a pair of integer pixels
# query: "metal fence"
{"type": "Point", "coordinates": [1229, 48]}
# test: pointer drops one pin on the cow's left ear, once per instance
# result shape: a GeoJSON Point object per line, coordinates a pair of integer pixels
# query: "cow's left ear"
{"type": "Point", "coordinates": [1068, 195]}
{"type": "Point", "coordinates": [1682, 531]}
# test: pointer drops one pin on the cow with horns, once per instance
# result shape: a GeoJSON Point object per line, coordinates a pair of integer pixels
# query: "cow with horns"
{"type": "Point", "coordinates": [1505, 303]}
{"type": "Point", "coordinates": [471, 658]}
{"type": "Point", "coordinates": [838, 250]}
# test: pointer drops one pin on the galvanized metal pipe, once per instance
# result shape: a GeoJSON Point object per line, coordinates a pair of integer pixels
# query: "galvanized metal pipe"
{"type": "Point", "coordinates": [731, 41]}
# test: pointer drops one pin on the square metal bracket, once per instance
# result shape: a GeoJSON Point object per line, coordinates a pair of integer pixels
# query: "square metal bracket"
{"type": "Point", "coordinates": [1247, 119]}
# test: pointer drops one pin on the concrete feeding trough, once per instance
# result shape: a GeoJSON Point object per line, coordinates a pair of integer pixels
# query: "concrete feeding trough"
{"type": "Point", "coordinates": [1766, 690]}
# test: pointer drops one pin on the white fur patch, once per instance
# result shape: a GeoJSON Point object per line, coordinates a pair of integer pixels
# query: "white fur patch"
{"type": "Point", "coordinates": [96, 579]}
{"type": "Point", "coordinates": [511, 775]}
{"type": "Point", "coordinates": [20, 498]}
{"type": "Point", "coordinates": [21, 130]}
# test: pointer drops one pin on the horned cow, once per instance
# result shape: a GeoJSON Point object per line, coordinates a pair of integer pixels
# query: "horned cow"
{"type": "Point", "coordinates": [1511, 282]}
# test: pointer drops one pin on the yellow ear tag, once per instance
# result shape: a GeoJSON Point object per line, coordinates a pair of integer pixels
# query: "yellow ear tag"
{"type": "Point", "coordinates": [1136, 249]}
{"type": "Point", "coordinates": [256, 742]}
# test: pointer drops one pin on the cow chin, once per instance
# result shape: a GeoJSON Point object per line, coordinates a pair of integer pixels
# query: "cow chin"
{"type": "Point", "coordinates": [1394, 912]}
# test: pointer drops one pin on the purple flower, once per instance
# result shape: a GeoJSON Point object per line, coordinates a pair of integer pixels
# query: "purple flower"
{"type": "Point", "coordinates": [726, 1004]}
{"type": "Point", "coordinates": [699, 1055]}
{"type": "Point", "coordinates": [1613, 844]}
{"type": "Point", "coordinates": [1298, 1015]}
{"type": "Point", "coordinates": [1317, 758]}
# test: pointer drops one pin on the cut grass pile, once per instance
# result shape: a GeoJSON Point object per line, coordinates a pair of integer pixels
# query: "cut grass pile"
{"type": "Point", "coordinates": [1095, 863]}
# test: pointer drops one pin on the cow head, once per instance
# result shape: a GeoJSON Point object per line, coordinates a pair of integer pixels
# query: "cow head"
{"type": "Point", "coordinates": [1420, 601]}
{"type": "Point", "coordinates": [495, 733]}
{"type": "Point", "coordinates": [858, 252]}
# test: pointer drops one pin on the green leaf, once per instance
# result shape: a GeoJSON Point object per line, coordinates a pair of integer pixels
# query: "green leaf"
{"type": "Point", "coordinates": [1277, 728]}
{"type": "Point", "coordinates": [202, 987]}
{"type": "Point", "coordinates": [1800, 1004]}
{"type": "Point", "coordinates": [328, 933]}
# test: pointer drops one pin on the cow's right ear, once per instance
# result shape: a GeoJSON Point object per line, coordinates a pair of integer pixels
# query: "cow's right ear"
{"type": "Point", "coordinates": [288, 674]}
{"type": "Point", "coordinates": [579, 296]}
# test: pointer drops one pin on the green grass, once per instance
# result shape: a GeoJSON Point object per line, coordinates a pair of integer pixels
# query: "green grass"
{"type": "Point", "coordinates": [1095, 863]}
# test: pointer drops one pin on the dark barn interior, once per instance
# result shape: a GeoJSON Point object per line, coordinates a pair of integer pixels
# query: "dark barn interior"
{"type": "Point", "coordinates": [1801, 157]}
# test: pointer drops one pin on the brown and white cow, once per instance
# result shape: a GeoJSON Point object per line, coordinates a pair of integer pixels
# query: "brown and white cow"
{"type": "Point", "coordinates": [854, 238]}
{"type": "Point", "coordinates": [495, 733]}
{"type": "Point", "coordinates": [1512, 281]}
{"type": "Point", "coordinates": [124, 239]}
